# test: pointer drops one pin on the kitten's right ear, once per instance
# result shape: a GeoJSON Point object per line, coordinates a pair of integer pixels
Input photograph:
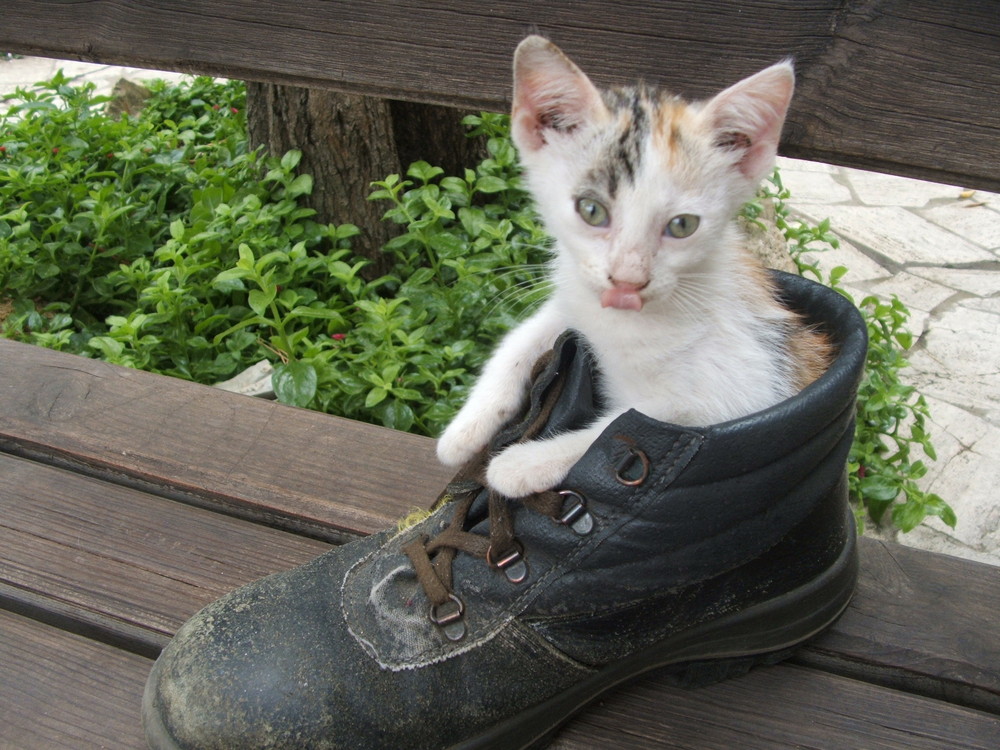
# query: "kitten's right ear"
{"type": "Point", "coordinates": [550, 94]}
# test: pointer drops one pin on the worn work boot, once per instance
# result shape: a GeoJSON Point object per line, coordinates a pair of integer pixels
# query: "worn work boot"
{"type": "Point", "coordinates": [699, 550]}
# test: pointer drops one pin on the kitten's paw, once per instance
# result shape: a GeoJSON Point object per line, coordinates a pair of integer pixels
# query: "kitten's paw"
{"type": "Point", "coordinates": [525, 469]}
{"type": "Point", "coordinates": [462, 440]}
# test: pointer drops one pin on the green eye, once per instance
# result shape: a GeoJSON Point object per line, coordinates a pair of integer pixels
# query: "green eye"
{"type": "Point", "coordinates": [682, 226]}
{"type": "Point", "coordinates": [592, 212]}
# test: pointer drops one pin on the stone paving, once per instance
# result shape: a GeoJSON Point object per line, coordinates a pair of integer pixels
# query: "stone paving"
{"type": "Point", "coordinates": [935, 246]}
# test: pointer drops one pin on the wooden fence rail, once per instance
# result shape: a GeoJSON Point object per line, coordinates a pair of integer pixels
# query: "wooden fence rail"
{"type": "Point", "coordinates": [904, 86]}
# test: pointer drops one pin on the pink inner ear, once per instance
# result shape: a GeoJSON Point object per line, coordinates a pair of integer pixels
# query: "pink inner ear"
{"type": "Point", "coordinates": [527, 130]}
{"type": "Point", "coordinates": [749, 116]}
{"type": "Point", "coordinates": [550, 93]}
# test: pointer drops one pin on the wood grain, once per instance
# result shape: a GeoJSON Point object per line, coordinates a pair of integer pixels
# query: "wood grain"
{"type": "Point", "coordinates": [133, 562]}
{"type": "Point", "coordinates": [775, 707]}
{"type": "Point", "coordinates": [333, 478]}
{"type": "Point", "coordinates": [58, 690]}
{"type": "Point", "coordinates": [926, 623]}
{"type": "Point", "coordinates": [904, 86]}
{"type": "Point", "coordinates": [121, 559]}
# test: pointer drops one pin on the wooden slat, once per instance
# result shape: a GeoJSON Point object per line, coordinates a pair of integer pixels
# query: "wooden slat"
{"type": "Point", "coordinates": [300, 469]}
{"type": "Point", "coordinates": [58, 690]}
{"type": "Point", "coordinates": [117, 560]}
{"type": "Point", "coordinates": [923, 622]}
{"type": "Point", "coordinates": [776, 707]}
{"type": "Point", "coordinates": [905, 86]}
{"type": "Point", "coordinates": [919, 621]}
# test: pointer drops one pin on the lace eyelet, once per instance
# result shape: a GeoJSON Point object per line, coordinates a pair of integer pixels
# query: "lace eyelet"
{"type": "Point", "coordinates": [449, 617]}
{"type": "Point", "coordinates": [575, 513]}
{"type": "Point", "coordinates": [627, 462]}
{"type": "Point", "coordinates": [511, 562]}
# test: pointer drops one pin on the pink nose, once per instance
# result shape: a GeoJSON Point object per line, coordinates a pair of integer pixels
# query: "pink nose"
{"type": "Point", "coordinates": [623, 295]}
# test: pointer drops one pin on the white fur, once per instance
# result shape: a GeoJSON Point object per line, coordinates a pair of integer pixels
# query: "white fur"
{"type": "Point", "coordinates": [697, 352]}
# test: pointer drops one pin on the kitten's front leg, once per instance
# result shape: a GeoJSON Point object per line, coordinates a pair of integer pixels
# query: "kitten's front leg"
{"type": "Point", "coordinates": [538, 465]}
{"type": "Point", "coordinates": [501, 390]}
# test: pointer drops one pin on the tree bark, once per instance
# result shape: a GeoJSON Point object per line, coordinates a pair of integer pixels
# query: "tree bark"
{"type": "Point", "coordinates": [346, 142]}
{"type": "Point", "coordinates": [349, 141]}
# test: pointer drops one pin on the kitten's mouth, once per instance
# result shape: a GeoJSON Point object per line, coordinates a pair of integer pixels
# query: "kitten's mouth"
{"type": "Point", "coordinates": [622, 297]}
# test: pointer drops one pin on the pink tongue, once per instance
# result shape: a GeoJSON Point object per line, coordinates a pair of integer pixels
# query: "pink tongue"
{"type": "Point", "coordinates": [621, 299]}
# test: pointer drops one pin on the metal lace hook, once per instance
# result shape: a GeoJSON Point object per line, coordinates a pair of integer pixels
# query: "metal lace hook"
{"type": "Point", "coordinates": [627, 462]}
{"type": "Point", "coordinates": [449, 616]}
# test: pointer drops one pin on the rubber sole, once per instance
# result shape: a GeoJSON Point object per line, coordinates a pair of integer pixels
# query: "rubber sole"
{"type": "Point", "coordinates": [764, 634]}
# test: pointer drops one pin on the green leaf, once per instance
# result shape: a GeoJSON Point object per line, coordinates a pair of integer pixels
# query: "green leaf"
{"type": "Point", "coordinates": [295, 383]}
{"type": "Point", "coordinates": [324, 313]}
{"type": "Point", "coordinates": [473, 220]}
{"type": "Point", "coordinates": [301, 185]}
{"type": "Point", "coordinates": [491, 184]}
{"type": "Point", "coordinates": [259, 299]}
{"type": "Point", "coordinates": [230, 274]}
{"type": "Point", "coordinates": [908, 515]}
{"type": "Point", "coordinates": [447, 245]}
{"type": "Point", "coordinates": [375, 396]}
{"type": "Point", "coordinates": [397, 415]}
{"type": "Point", "coordinates": [423, 171]}
{"type": "Point", "coordinates": [876, 487]}
{"type": "Point", "coordinates": [177, 229]}
{"type": "Point", "coordinates": [291, 160]}
{"type": "Point", "coordinates": [246, 257]}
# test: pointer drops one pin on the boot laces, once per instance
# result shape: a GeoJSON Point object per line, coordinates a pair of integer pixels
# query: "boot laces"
{"type": "Point", "coordinates": [432, 557]}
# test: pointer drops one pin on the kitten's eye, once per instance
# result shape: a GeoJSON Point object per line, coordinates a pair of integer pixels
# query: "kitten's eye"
{"type": "Point", "coordinates": [683, 225]}
{"type": "Point", "coordinates": [592, 212]}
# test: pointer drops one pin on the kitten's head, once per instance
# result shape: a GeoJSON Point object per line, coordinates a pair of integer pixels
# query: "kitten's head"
{"type": "Point", "coordinates": [639, 187]}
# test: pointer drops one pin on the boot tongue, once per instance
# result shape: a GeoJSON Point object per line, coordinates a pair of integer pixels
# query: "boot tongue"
{"type": "Point", "coordinates": [563, 396]}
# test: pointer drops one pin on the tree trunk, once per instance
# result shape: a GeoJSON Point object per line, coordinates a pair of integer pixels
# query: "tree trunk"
{"type": "Point", "coordinates": [349, 141]}
{"type": "Point", "coordinates": [346, 142]}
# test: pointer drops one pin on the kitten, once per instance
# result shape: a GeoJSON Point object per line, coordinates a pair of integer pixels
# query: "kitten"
{"type": "Point", "coordinates": [640, 191]}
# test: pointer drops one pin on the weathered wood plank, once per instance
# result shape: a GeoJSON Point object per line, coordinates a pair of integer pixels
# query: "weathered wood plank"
{"type": "Point", "coordinates": [291, 467]}
{"type": "Point", "coordinates": [776, 707]}
{"type": "Point", "coordinates": [919, 621]}
{"type": "Point", "coordinates": [905, 86]}
{"type": "Point", "coordinates": [127, 566]}
{"type": "Point", "coordinates": [59, 690]}
{"type": "Point", "coordinates": [922, 622]}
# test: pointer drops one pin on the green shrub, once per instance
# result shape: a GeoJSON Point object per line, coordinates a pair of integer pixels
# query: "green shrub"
{"type": "Point", "coordinates": [161, 242]}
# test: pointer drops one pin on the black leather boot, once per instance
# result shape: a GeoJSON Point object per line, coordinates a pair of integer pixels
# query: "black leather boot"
{"type": "Point", "coordinates": [699, 550]}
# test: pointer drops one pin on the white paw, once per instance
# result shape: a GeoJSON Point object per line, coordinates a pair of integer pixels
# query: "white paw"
{"type": "Point", "coordinates": [525, 469]}
{"type": "Point", "coordinates": [462, 440]}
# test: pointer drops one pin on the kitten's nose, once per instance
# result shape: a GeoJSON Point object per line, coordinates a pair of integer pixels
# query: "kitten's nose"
{"type": "Point", "coordinates": [623, 295]}
{"type": "Point", "coordinates": [631, 286]}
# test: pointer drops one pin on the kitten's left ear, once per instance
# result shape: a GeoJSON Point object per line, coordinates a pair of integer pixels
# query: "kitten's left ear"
{"type": "Point", "coordinates": [551, 94]}
{"type": "Point", "coordinates": [748, 116]}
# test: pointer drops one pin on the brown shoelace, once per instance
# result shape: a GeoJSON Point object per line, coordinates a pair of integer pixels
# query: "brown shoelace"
{"type": "Point", "coordinates": [432, 557]}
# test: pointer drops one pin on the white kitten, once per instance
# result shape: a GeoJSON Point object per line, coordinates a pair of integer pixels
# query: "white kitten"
{"type": "Point", "coordinates": [640, 191]}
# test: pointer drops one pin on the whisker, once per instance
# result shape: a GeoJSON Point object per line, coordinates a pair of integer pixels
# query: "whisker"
{"type": "Point", "coordinates": [520, 297]}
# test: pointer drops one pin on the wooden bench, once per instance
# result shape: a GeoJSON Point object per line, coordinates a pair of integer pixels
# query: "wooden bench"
{"type": "Point", "coordinates": [129, 500]}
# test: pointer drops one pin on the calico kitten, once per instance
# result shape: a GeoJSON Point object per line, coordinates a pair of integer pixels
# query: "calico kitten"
{"type": "Point", "coordinates": [640, 191]}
